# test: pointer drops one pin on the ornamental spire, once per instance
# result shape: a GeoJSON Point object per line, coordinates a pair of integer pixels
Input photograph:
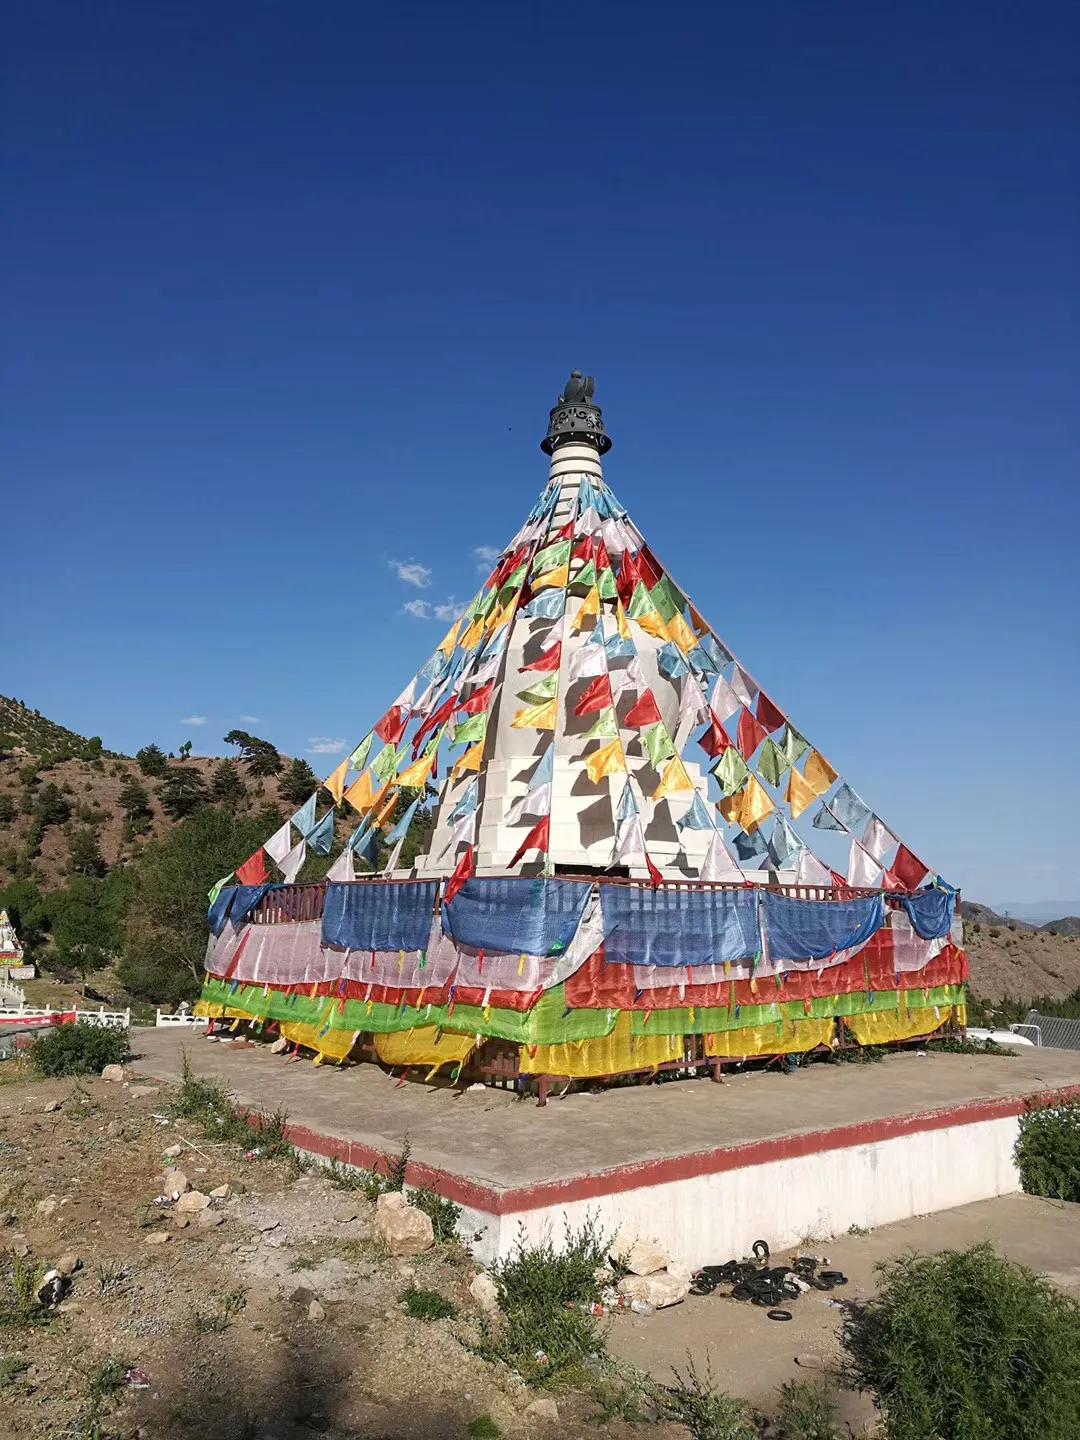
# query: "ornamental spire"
{"type": "Point", "coordinates": [575, 417]}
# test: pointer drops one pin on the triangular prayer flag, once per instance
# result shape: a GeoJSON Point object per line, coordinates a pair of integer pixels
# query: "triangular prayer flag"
{"type": "Point", "coordinates": [748, 845]}
{"type": "Point", "coordinates": [445, 647]}
{"type": "Point", "coordinates": [784, 844]}
{"type": "Point", "coordinates": [219, 885]}
{"type": "Point", "coordinates": [768, 714]}
{"type": "Point", "coordinates": [681, 634]}
{"type": "Point", "coordinates": [552, 557]}
{"type": "Point", "coordinates": [253, 870]}
{"type": "Point", "coordinates": [546, 688]}
{"type": "Point", "coordinates": [547, 659]}
{"type": "Point", "coordinates": [772, 762]}
{"type": "Point", "coordinates": [658, 744]}
{"type": "Point", "coordinates": [629, 842]}
{"type": "Point", "coordinates": [623, 623]}
{"type": "Point", "coordinates": [715, 740]}
{"type": "Point", "coordinates": [279, 844]}
{"type": "Point", "coordinates": [908, 869]}
{"type": "Point", "coordinates": [469, 762]}
{"type": "Point", "coordinates": [359, 757]}
{"type": "Point", "coordinates": [471, 730]}
{"type": "Point", "coordinates": [588, 660]}
{"type": "Point", "coordinates": [535, 801]}
{"type": "Point", "coordinates": [627, 803]}
{"type": "Point", "coordinates": [675, 780]}
{"type": "Point", "coordinates": [589, 606]}
{"type": "Point", "coordinates": [863, 870]}
{"type": "Point", "coordinates": [392, 725]}
{"type": "Point", "coordinates": [751, 734]}
{"type": "Point", "coordinates": [401, 828]}
{"type": "Point", "coordinates": [360, 793]}
{"type": "Point", "coordinates": [608, 760]}
{"type": "Point", "coordinates": [818, 773]}
{"type": "Point", "coordinates": [546, 607]}
{"type": "Point", "coordinates": [644, 711]}
{"type": "Point", "coordinates": [479, 700]}
{"type": "Point", "coordinates": [468, 801]}
{"type": "Point", "coordinates": [605, 726]}
{"type": "Point", "coordinates": [793, 745]}
{"type": "Point", "coordinates": [322, 837]}
{"type": "Point", "coordinates": [537, 839]}
{"type": "Point", "coordinates": [343, 870]}
{"type": "Point", "coordinates": [724, 701]}
{"type": "Point", "coordinates": [293, 861]}
{"type": "Point", "coordinates": [719, 864]}
{"type": "Point", "coordinates": [304, 818]}
{"type": "Point", "coordinates": [416, 776]}
{"type": "Point", "coordinates": [536, 717]}
{"type": "Point", "coordinates": [743, 687]}
{"type": "Point", "coordinates": [465, 869]}
{"type": "Point", "coordinates": [697, 817]}
{"type": "Point", "coordinates": [385, 763]}
{"type": "Point", "coordinates": [878, 839]}
{"type": "Point", "coordinates": [824, 819]}
{"type": "Point", "coordinates": [335, 782]}
{"type": "Point", "coordinates": [670, 662]}
{"type": "Point", "coordinates": [732, 771]}
{"type": "Point", "coordinates": [798, 794]}
{"type": "Point", "coordinates": [810, 871]}
{"type": "Point", "coordinates": [849, 808]}
{"type": "Point", "coordinates": [595, 696]}
{"type": "Point", "coordinates": [553, 579]}
{"type": "Point", "coordinates": [587, 576]}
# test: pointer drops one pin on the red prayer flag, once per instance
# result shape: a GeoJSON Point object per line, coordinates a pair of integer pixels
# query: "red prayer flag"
{"type": "Point", "coordinates": [909, 869]}
{"type": "Point", "coordinates": [629, 575]}
{"type": "Point", "coordinates": [768, 714]}
{"type": "Point", "coordinates": [603, 559]}
{"type": "Point", "coordinates": [431, 724]}
{"type": "Point", "coordinates": [716, 739]}
{"type": "Point", "coordinates": [253, 870]}
{"type": "Point", "coordinates": [392, 725]}
{"type": "Point", "coordinates": [644, 711]}
{"type": "Point", "coordinates": [466, 868]}
{"type": "Point", "coordinates": [537, 839]}
{"type": "Point", "coordinates": [547, 660]}
{"type": "Point", "coordinates": [654, 873]}
{"type": "Point", "coordinates": [596, 696]}
{"type": "Point", "coordinates": [751, 734]}
{"type": "Point", "coordinates": [652, 572]}
{"type": "Point", "coordinates": [479, 700]}
{"type": "Point", "coordinates": [583, 550]}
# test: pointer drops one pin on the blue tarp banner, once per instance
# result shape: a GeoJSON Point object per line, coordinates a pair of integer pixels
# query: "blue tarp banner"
{"type": "Point", "coordinates": [931, 912]}
{"type": "Point", "coordinates": [235, 903]}
{"type": "Point", "coordinates": [815, 929]}
{"type": "Point", "coordinates": [374, 916]}
{"type": "Point", "coordinates": [643, 926]}
{"type": "Point", "coordinates": [526, 917]}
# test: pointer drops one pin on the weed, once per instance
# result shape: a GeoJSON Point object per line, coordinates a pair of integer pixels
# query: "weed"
{"type": "Point", "coordinates": [79, 1050]}
{"type": "Point", "coordinates": [19, 1304]}
{"type": "Point", "coordinates": [1047, 1150]}
{"type": "Point", "coordinates": [957, 1045]}
{"type": "Point", "coordinates": [11, 1367]}
{"type": "Point", "coordinates": [106, 1380]}
{"type": "Point", "coordinates": [854, 1229]}
{"type": "Point", "coordinates": [443, 1214]}
{"type": "Point", "coordinates": [207, 1103]}
{"type": "Point", "coordinates": [483, 1428]}
{"type": "Point", "coordinates": [708, 1413]}
{"type": "Point", "coordinates": [344, 1177]}
{"type": "Point", "coordinates": [210, 1322]}
{"type": "Point", "coordinates": [621, 1391]}
{"type": "Point", "coordinates": [226, 1307]}
{"type": "Point", "coordinates": [397, 1165]}
{"type": "Point", "coordinates": [806, 1412]}
{"type": "Point", "coordinates": [313, 1252]}
{"type": "Point", "coordinates": [113, 1278]}
{"type": "Point", "coordinates": [427, 1304]}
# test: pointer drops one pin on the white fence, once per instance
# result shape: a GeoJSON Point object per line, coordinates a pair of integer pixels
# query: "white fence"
{"type": "Point", "coordinates": [106, 1019]}
{"type": "Point", "coordinates": [180, 1017]}
{"type": "Point", "coordinates": [11, 994]}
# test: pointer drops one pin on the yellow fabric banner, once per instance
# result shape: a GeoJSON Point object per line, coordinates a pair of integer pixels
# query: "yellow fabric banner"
{"type": "Point", "coordinates": [416, 776]}
{"type": "Point", "coordinates": [589, 606]}
{"type": "Point", "coordinates": [798, 793]}
{"type": "Point", "coordinates": [622, 622]}
{"type": "Point", "coordinates": [608, 760]}
{"type": "Point", "coordinates": [614, 1054]}
{"type": "Point", "coordinates": [785, 1037]}
{"type": "Point", "coordinates": [473, 635]}
{"type": "Point", "coordinates": [450, 639]}
{"type": "Point", "coordinates": [675, 780]}
{"type": "Point", "coordinates": [749, 806]}
{"type": "Point", "coordinates": [819, 774]}
{"type": "Point", "coordinates": [554, 579]}
{"type": "Point", "coordinates": [423, 1046]}
{"type": "Point", "coordinates": [681, 633]}
{"type": "Point", "coordinates": [335, 783]}
{"type": "Point", "coordinates": [470, 761]}
{"type": "Point", "coordinates": [652, 622]}
{"type": "Point", "coordinates": [536, 717]}
{"type": "Point", "coordinates": [879, 1027]}
{"type": "Point", "coordinates": [360, 793]}
{"type": "Point", "coordinates": [334, 1045]}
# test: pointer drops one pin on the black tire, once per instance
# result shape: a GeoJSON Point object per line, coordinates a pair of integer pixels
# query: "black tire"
{"type": "Point", "coordinates": [760, 1250]}
{"type": "Point", "coordinates": [780, 1314]}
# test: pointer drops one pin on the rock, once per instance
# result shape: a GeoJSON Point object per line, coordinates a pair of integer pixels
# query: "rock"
{"type": "Point", "coordinates": [115, 1130]}
{"type": "Point", "coordinates": [139, 1092]}
{"type": "Point", "coordinates": [279, 1046]}
{"type": "Point", "coordinates": [346, 1213]}
{"type": "Point", "coordinates": [401, 1227]}
{"type": "Point", "coordinates": [485, 1292]}
{"type": "Point", "coordinates": [543, 1409]}
{"type": "Point", "coordinates": [316, 1312]}
{"type": "Point", "coordinates": [603, 1274]}
{"type": "Point", "coordinates": [51, 1107]}
{"type": "Point", "coordinates": [157, 1237]}
{"type": "Point", "coordinates": [173, 1151]}
{"type": "Point", "coordinates": [173, 1181]}
{"type": "Point", "coordinates": [192, 1202]}
{"type": "Point", "coordinates": [659, 1289]}
{"type": "Point", "coordinates": [180, 1222]}
{"type": "Point", "coordinates": [221, 1192]}
{"type": "Point", "coordinates": [267, 1224]}
{"type": "Point", "coordinates": [113, 1072]}
{"type": "Point", "coordinates": [302, 1296]}
{"type": "Point", "coordinates": [275, 1239]}
{"type": "Point", "coordinates": [208, 1219]}
{"type": "Point", "coordinates": [19, 1245]}
{"type": "Point", "coordinates": [68, 1263]}
{"type": "Point", "coordinates": [645, 1258]}
{"type": "Point", "coordinates": [47, 1207]}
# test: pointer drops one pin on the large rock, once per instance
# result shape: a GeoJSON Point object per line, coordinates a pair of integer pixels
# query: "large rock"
{"type": "Point", "coordinates": [68, 1263]}
{"type": "Point", "coordinates": [174, 1181]}
{"type": "Point", "coordinates": [192, 1202]}
{"type": "Point", "coordinates": [543, 1409]}
{"type": "Point", "coordinates": [645, 1258]}
{"type": "Point", "coordinates": [401, 1227]}
{"type": "Point", "coordinates": [485, 1292]}
{"type": "Point", "coordinates": [659, 1290]}
{"type": "Point", "coordinates": [113, 1072]}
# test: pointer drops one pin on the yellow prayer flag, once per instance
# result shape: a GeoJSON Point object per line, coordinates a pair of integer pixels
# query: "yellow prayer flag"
{"type": "Point", "coordinates": [335, 783]}
{"type": "Point", "coordinates": [502, 614]}
{"type": "Point", "coordinates": [416, 776]}
{"type": "Point", "coordinates": [757, 804]}
{"type": "Point", "coordinates": [473, 635]}
{"type": "Point", "coordinates": [819, 774]}
{"type": "Point", "coordinates": [536, 717]}
{"type": "Point", "coordinates": [360, 793]}
{"type": "Point", "coordinates": [675, 780]}
{"type": "Point", "coordinates": [589, 606]}
{"type": "Point", "coordinates": [608, 760]}
{"type": "Point", "coordinates": [798, 793]}
{"type": "Point", "coordinates": [652, 622]}
{"type": "Point", "coordinates": [681, 633]}
{"type": "Point", "coordinates": [701, 626]}
{"type": "Point", "coordinates": [470, 761]}
{"type": "Point", "coordinates": [450, 639]}
{"type": "Point", "coordinates": [557, 579]}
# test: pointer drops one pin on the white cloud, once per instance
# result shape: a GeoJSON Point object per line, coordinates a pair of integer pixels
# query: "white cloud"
{"type": "Point", "coordinates": [449, 611]}
{"type": "Point", "coordinates": [193, 720]}
{"type": "Point", "coordinates": [411, 572]}
{"type": "Point", "coordinates": [418, 608]}
{"type": "Point", "coordinates": [324, 745]}
{"type": "Point", "coordinates": [486, 555]}
{"type": "Point", "coordinates": [250, 720]}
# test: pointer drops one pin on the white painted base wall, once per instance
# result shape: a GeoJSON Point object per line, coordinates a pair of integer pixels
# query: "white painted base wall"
{"type": "Point", "coordinates": [713, 1218]}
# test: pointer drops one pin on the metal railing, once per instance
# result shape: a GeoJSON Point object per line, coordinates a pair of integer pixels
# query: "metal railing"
{"type": "Point", "coordinates": [1053, 1031]}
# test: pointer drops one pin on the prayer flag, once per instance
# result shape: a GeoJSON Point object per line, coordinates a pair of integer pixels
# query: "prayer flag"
{"type": "Point", "coordinates": [595, 696]}
{"type": "Point", "coordinates": [675, 780]}
{"type": "Point", "coordinates": [322, 837]}
{"type": "Point", "coordinates": [768, 714]}
{"type": "Point", "coordinates": [644, 711]}
{"type": "Point", "coordinates": [360, 793]}
{"type": "Point", "coordinates": [536, 717]}
{"type": "Point", "coordinates": [798, 794]}
{"type": "Point", "coordinates": [547, 659]}
{"type": "Point", "coordinates": [253, 870]}
{"type": "Point", "coordinates": [608, 760]}
{"type": "Point", "coordinates": [818, 773]}
{"type": "Point", "coordinates": [908, 869]}
{"type": "Point", "coordinates": [537, 839]}
{"type": "Point", "coordinates": [466, 867]}
{"type": "Point", "coordinates": [335, 783]}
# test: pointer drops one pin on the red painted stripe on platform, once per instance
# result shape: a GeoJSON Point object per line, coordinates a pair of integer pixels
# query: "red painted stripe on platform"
{"type": "Point", "coordinates": [494, 1201]}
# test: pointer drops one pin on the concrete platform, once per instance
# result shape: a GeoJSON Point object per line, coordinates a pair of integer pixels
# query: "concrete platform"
{"type": "Point", "coordinates": [703, 1168]}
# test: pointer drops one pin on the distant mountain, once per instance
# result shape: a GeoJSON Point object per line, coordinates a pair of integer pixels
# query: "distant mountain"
{"type": "Point", "coordinates": [43, 738]}
{"type": "Point", "coordinates": [1068, 925]}
{"type": "Point", "coordinates": [973, 911]}
{"type": "Point", "coordinates": [1038, 912]}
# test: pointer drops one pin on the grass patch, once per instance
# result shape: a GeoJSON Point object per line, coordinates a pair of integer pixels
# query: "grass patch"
{"type": "Point", "coordinates": [483, 1428]}
{"type": "Point", "coordinates": [19, 1285]}
{"type": "Point", "coordinates": [443, 1214]}
{"type": "Point", "coordinates": [78, 1050]}
{"type": "Point", "coordinates": [427, 1304]}
{"type": "Point", "coordinates": [207, 1103]}
{"type": "Point", "coordinates": [806, 1412]}
{"type": "Point", "coordinates": [965, 1343]}
{"type": "Point", "coordinates": [11, 1367]}
{"type": "Point", "coordinates": [1047, 1150]}
{"type": "Point", "coordinates": [344, 1177]}
{"type": "Point", "coordinates": [113, 1278]}
{"type": "Point", "coordinates": [707, 1412]}
{"type": "Point", "coordinates": [313, 1252]}
{"type": "Point", "coordinates": [959, 1045]}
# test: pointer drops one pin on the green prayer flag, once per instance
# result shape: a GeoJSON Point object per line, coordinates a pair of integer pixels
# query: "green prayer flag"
{"type": "Point", "coordinates": [484, 603]}
{"type": "Point", "coordinates": [436, 740]}
{"type": "Point", "coordinates": [641, 602]}
{"type": "Point", "coordinates": [586, 575]}
{"type": "Point", "coordinates": [359, 757]}
{"type": "Point", "coordinates": [772, 762]}
{"type": "Point", "coordinates": [471, 730]}
{"type": "Point", "coordinates": [552, 557]}
{"type": "Point", "coordinates": [731, 771]}
{"type": "Point", "coordinates": [658, 745]}
{"type": "Point", "coordinates": [386, 763]}
{"type": "Point", "coordinates": [604, 727]}
{"type": "Point", "coordinates": [515, 581]}
{"type": "Point", "coordinates": [216, 891]}
{"type": "Point", "coordinates": [793, 745]}
{"type": "Point", "coordinates": [606, 584]}
{"type": "Point", "coordinates": [667, 598]}
{"type": "Point", "coordinates": [545, 688]}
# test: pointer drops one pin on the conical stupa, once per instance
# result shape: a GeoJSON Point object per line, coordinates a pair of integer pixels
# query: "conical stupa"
{"type": "Point", "coordinates": [615, 803]}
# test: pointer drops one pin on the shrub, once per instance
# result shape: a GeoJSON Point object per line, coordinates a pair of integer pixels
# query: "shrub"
{"type": "Point", "coordinates": [427, 1304]}
{"type": "Point", "coordinates": [79, 1050]}
{"type": "Point", "coordinates": [1047, 1151]}
{"type": "Point", "coordinates": [207, 1103]}
{"type": "Point", "coordinates": [965, 1345]}
{"type": "Point", "coordinates": [806, 1412]}
{"type": "Point", "coordinates": [709, 1414]}
{"type": "Point", "coordinates": [443, 1214]}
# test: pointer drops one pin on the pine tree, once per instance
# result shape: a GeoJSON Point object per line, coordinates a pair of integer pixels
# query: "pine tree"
{"type": "Point", "coordinates": [226, 786]}
{"type": "Point", "coordinates": [151, 760]}
{"type": "Point", "coordinates": [298, 782]}
{"type": "Point", "coordinates": [181, 791]}
{"type": "Point", "coordinates": [84, 852]}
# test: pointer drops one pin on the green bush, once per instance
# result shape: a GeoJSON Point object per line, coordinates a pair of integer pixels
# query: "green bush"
{"type": "Point", "coordinates": [79, 1050]}
{"type": "Point", "coordinates": [1047, 1150]}
{"type": "Point", "coordinates": [427, 1304]}
{"type": "Point", "coordinates": [965, 1345]}
{"type": "Point", "coordinates": [806, 1412]}
{"type": "Point", "coordinates": [443, 1214]}
{"type": "Point", "coordinates": [708, 1413]}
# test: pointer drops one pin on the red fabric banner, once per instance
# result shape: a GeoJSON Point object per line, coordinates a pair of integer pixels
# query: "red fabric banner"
{"type": "Point", "coordinates": [479, 701]}
{"type": "Point", "coordinates": [392, 725]}
{"type": "Point", "coordinates": [751, 734]}
{"type": "Point", "coordinates": [253, 870]}
{"type": "Point", "coordinates": [768, 714]}
{"type": "Point", "coordinates": [908, 869]}
{"type": "Point", "coordinates": [466, 868]}
{"type": "Point", "coordinates": [549, 660]}
{"type": "Point", "coordinates": [595, 696]}
{"type": "Point", "coordinates": [716, 739]}
{"type": "Point", "coordinates": [537, 839]}
{"type": "Point", "coordinates": [644, 711]}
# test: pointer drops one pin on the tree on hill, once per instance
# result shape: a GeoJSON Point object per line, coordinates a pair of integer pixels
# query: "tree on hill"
{"type": "Point", "coordinates": [181, 791]}
{"type": "Point", "coordinates": [226, 786]}
{"type": "Point", "coordinates": [261, 758]}
{"type": "Point", "coordinates": [164, 926]}
{"type": "Point", "coordinates": [151, 760]}
{"type": "Point", "coordinates": [51, 807]}
{"type": "Point", "coordinates": [84, 919]}
{"type": "Point", "coordinates": [8, 810]}
{"type": "Point", "coordinates": [185, 750]}
{"type": "Point", "coordinates": [84, 852]}
{"type": "Point", "coordinates": [298, 782]}
{"type": "Point", "coordinates": [135, 802]}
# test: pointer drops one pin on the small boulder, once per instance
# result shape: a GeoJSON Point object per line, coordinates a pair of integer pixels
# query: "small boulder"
{"type": "Point", "coordinates": [401, 1227]}
{"type": "Point", "coordinates": [47, 1207]}
{"type": "Point", "coordinates": [316, 1312]}
{"type": "Point", "coordinates": [68, 1263]}
{"type": "Point", "coordinates": [660, 1289]}
{"type": "Point", "coordinates": [115, 1130]}
{"type": "Point", "coordinates": [192, 1202]}
{"type": "Point", "coordinates": [645, 1258]}
{"type": "Point", "coordinates": [302, 1296]}
{"type": "Point", "coordinates": [157, 1237]}
{"type": "Point", "coordinates": [180, 1222]}
{"type": "Point", "coordinates": [113, 1072]}
{"type": "Point", "coordinates": [51, 1107]}
{"type": "Point", "coordinates": [267, 1223]}
{"type": "Point", "coordinates": [279, 1046]}
{"type": "Point", "coordinates": [208, 1219]}
{"type": "Point", "coordinates": [175, 1180]}
{"type": "Point", "coordinates": [221, 1192]}
{"type": "Point", "coordinates": [19, 1245]}
{"type": "Point", "coordinates": [543, 1409]}
{"type": "Point", "coordinates": [173, 1151]}
{"type": "Point", "coordinates": [485, 1292]}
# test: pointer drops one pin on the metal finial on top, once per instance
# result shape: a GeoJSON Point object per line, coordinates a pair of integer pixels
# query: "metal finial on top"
{"type": "Point", "coordinates": [575, 417]}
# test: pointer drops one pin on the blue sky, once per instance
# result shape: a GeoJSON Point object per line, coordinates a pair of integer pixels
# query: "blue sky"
{"type": "Point", "coordinates": [290, 288]}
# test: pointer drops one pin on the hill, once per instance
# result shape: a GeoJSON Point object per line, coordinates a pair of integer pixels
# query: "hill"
{"type": "Point", "coordinates": [33, 733]}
